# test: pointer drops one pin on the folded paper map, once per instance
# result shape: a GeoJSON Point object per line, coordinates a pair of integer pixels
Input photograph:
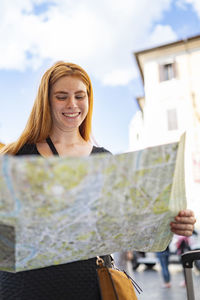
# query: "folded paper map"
{"type": "Point", "coordinates": [58, 210]}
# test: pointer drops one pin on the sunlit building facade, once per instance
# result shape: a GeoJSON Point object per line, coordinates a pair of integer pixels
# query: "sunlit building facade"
{"type": "Point", "coordinates": [171, 101]}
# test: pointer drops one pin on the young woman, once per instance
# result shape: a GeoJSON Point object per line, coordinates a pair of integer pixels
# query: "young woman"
{"type": "Point", "coordinates": [60, 124]}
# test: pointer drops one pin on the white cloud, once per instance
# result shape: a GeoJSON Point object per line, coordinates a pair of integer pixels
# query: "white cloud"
{"type": "Point", "coordinates": [194, 3]}
{"type": "Point", "coordinates": [118, 77]}
{"type": "Point", "coordinates": [162, 34]}
{"type": "Point", "coordinates": [181, 4]}
{"type": "Point", "coordinates": [99, 35]}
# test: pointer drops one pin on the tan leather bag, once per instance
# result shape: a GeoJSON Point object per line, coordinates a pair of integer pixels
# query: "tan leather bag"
{"type": "Point", "coordinates": [115, 284]}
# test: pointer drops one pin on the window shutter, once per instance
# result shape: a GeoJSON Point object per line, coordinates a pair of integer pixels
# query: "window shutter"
{"type": "Point", "coordinates": [175, 68]}
{"type": "Point", "coordinates": [161, 73]}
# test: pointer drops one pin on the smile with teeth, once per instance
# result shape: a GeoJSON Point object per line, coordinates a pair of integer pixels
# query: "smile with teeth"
{"type": "Point", "coordinates": [71, 115]}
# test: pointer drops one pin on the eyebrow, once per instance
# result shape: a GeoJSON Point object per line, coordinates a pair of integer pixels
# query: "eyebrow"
{"type": "Point", "coordinates": [63, 92]}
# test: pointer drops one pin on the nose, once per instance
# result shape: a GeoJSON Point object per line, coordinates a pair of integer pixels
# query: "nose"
{"type": "Point", "coordinates": [71, 101]}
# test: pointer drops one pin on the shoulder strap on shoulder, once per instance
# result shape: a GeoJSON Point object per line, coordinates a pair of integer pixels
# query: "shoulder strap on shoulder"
{"type": "Point", "coordinates": [51, 146]}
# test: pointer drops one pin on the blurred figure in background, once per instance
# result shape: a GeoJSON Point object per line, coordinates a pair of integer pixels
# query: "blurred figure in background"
{"type": "Point", "coordinates": [164, 263]}
{"type": "Point", "coordinates": [183, 244]}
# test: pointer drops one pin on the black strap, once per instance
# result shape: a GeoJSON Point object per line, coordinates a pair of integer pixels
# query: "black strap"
{"type": "Point", "coordinates": [51, 146]}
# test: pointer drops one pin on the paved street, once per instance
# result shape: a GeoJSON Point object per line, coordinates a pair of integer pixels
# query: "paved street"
{"type": "Point", "coordinates": [151, 283]}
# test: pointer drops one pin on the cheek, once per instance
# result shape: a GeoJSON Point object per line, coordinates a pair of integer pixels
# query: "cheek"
{"type": "Point", "coordinates": [53, 111]}
{"type": "Point", "coordinates": [56, 106]}
{"type": "Point", "coordinates": [85, 107]}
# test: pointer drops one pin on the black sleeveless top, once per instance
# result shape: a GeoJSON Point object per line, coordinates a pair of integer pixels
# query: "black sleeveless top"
{"type": "Point", "coordinates": [73, 281]}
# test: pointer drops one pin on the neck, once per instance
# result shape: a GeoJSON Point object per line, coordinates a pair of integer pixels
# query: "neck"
{"type": "Point", "coordinates": [67, 138]}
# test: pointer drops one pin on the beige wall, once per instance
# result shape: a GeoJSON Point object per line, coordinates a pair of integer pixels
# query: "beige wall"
{"type": "Point", "coordinates": [181, 93]}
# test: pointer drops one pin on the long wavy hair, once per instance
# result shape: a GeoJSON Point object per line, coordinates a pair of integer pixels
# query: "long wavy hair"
{"type": "Point", "coordinates": [39, 124]}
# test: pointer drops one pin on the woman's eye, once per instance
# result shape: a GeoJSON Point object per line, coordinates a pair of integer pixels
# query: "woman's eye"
{"type": "Point", "coordinates": [61, 97]}
{"type": "Point", "coordinates": [64, 97]}
{"type": "Point", "coordinates": [79, 97]}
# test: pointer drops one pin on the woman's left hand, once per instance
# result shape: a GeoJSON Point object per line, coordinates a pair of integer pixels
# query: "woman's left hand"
{"type": "Point", "coordinates": [184, 223]}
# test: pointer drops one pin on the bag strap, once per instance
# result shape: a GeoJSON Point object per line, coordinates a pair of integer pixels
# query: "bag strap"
{"type": "Point", "coordinates": [51, 146]}
{"type": "Point", "coordinates": [100, 263]}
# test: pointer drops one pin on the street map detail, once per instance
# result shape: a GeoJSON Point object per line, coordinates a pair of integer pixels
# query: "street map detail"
{"type": "Point", "coordinates": [58, 210]}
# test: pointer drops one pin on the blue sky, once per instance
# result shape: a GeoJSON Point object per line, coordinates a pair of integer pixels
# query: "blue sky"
{"type": "Point", "coordinates": [101, 36]}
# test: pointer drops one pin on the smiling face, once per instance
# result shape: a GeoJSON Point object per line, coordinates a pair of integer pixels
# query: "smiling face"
{"type": "Point", "coordinates": [69, 103]}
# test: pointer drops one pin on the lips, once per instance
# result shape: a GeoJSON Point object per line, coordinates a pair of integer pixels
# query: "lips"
{"type": "Point", "coordinates": [71, 115]}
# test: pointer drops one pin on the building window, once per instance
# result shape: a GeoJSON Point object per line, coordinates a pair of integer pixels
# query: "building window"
{"type": "Point", "coordinates": [172, 121]}
{"type": "Point", "coordinates": [167, 71]}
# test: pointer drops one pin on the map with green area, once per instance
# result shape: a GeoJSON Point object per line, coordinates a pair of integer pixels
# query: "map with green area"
{"type": "Point", "coordinates": [58, 210]}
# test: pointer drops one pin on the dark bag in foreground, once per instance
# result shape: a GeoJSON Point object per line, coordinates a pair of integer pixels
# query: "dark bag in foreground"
{"type": "Point", "coordinates": [115, 284]}
{"type": "Point", "coordinates": [187, 260]}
